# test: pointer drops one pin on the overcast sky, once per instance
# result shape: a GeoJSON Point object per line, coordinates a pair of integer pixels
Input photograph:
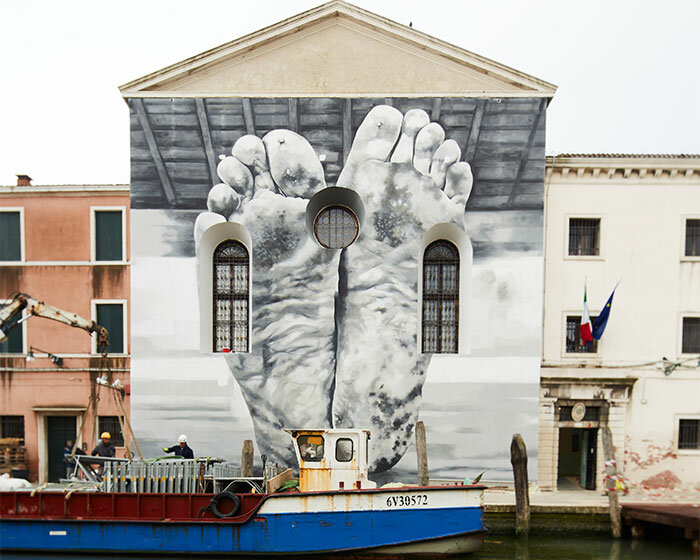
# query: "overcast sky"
{"type": "Point", "coordinates": [628, 72]}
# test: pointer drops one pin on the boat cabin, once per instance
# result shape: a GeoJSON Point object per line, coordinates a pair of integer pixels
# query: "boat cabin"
{"type": "Point", "coordinates": [332, 459]}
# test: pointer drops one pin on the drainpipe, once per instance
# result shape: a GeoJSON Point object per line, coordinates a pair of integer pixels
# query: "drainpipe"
{"type": "Point", "coordinates": [545, 219]}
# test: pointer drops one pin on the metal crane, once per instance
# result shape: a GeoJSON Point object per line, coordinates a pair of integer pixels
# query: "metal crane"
{"type": "Point", "coordinates": [38, 308]}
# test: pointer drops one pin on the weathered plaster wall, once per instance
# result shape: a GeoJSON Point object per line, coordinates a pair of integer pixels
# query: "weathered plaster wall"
{"type": "Point", "coordinates": [642, 204]}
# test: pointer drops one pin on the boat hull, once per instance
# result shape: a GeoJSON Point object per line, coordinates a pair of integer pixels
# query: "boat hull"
{"type": "Point", "coordinates": [301, 524]}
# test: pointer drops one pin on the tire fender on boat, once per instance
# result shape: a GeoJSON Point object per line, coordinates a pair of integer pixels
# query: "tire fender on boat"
{"type": "Point", "coordinates": [214, 504]}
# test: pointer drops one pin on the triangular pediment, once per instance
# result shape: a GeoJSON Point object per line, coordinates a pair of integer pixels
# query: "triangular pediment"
{"type": "Point", "coordinates": [341, 50]}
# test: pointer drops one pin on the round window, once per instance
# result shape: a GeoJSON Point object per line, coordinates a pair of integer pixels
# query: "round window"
{"type": "Point", "coordinates": [336, 227]}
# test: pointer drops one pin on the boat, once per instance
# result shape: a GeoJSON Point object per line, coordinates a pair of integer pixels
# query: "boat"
{"type": "Point", "coordinates": [337, 510]}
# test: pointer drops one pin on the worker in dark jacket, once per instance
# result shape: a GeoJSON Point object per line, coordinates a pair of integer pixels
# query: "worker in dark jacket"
{"type": "Point", "coordinates": [105, 449]}
{"type": "Point", "coordinates": [181, 449]}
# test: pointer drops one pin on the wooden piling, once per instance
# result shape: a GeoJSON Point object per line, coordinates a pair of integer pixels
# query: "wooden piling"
{"type": "Point", "coordinates": [422, 452]}
{"type": "Point", "coordinates": [518, 458]}
{"type": "Point", "coordinates": [611, 471]}
{"type": "Point", "coordinates": [247, 458]}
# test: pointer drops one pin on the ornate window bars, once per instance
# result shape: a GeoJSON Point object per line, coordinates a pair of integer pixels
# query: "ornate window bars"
{"type": "Point", "coordinates": [230, 298]}
{"type": "Point", "coordinates": [440, 298]}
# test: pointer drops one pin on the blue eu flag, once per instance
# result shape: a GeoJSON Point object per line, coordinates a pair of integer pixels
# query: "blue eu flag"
{"type": "Point", "coordinates": [602, 319]}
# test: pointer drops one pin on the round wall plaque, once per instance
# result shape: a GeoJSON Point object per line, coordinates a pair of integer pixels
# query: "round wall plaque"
{"type": "Point", "coordinates": [578, 412]}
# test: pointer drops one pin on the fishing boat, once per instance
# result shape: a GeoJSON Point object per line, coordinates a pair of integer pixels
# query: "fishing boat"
{"type": "Point", "coordinates": [337, 510]}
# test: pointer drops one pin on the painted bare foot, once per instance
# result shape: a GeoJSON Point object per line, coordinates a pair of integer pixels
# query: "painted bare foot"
{"type": "Point", "coordinates": [287, 377]}
{"type": "Point", "coordinates": [406, 190]}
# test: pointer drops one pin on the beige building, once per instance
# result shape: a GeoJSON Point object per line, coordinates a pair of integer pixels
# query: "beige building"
{"type": "Point", "coordinates": [636, 220]}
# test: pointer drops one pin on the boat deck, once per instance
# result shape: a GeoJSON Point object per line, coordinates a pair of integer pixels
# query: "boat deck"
{"type": "Point", "coordinates": [122, 506]}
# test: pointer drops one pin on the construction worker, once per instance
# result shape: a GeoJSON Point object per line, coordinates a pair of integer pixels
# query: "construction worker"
{"type": "Point", "coordinates": [181, 449]}
{"type": "Point", "coordinates": [105, 449]}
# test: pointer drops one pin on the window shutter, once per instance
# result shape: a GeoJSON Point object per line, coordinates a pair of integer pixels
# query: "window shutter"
{"type": "Point", "coordinates": [111, 317]}
{"type": "Point", "coordinates": [108, 236]}
{"type": "Point", "coordinates": [13, 344]}
{"type": "Point", "coordinates": [10, 245]}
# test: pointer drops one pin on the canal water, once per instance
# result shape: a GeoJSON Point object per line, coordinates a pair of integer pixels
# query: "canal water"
{"type": "Point", "coordinates": [502, 548]}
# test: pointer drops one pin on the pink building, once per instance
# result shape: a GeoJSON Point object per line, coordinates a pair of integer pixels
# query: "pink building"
{"type": "Point", "coordinates": [66, 245]}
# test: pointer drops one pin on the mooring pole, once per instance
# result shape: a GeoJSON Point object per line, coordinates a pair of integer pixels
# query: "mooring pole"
{"type": "Point", "coordinates": [247, 458]}
{"type": "Point", "coordinates": [422, 452]}
{"type": "Point", "coordinates": [518, 458]}
{"type": "Point", "coordinates": [610, 472]}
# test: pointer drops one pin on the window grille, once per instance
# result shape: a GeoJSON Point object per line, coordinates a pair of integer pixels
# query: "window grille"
{"type": "Point", "coordinates": [574, 344]}
{"type": "Point", "coordinates": [440, 298]}
{"type": "Point", "coordinates": [336, 227]}
{"type": "Point", "coordinates": [584, 236]}
{"type": "Point", "coordinates": [108, 235]}
{"type": "Point", "coordinates": [689, 433]}
{"type": "Point", "coordinates": [12, 427]}
{"type": "Point", "coordinates": [111, 424]}
{"type": "Point", "coordinates": [692, 238]}
{"type": "Point", "coordinates": [10, 237]}
{"type": "Point", "coordinates": [691, 335]}
{"type": "Point", "coordinates": [231, 313]}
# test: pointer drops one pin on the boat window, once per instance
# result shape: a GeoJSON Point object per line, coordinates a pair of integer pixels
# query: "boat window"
{"type": "Point", "coordinates": [343, 450]}
{"type": "Point", "coordinates": [310, 447]}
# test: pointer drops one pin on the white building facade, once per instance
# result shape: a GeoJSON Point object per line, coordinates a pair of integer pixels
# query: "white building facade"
{"type": "Point", "coordinates": [633, 220]}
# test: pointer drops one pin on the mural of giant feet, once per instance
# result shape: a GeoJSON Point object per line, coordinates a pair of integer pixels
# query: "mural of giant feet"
{"type": "Point", "coordinates": [334, 331]}
{"type": "Point", "coordinates": [399, 166]}
{"type": "Point", "coordinates": [287, 377]}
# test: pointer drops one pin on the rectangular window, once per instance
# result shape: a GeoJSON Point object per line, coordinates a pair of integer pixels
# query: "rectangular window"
{"type": "Point", "coordinates": [574, 344]}
{"type": "Point", "coordinates": [111, 317]}
{"type": "Point", "coordinates": [584, 236]}
{"type": "Point", "coordinates": [689, 433]}
{"type": "Point", "coordinates": [12, 427]}
{"type": "Point", "coordinates": [111, 424]}
{"type": "Point", "coordinates": [692, 238]}
{"type": "Point", "coordinates": [691, 335]}
{"type": "Point", "coordinates": [14, 343]}
{"type": "Point", "coordinates": [108, 235]}
{"type": "Point", "coordinates": [10, 236]}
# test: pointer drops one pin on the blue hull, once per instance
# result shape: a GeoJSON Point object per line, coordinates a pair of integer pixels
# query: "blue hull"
{"type": "Point", "coordinates": [288, 533]}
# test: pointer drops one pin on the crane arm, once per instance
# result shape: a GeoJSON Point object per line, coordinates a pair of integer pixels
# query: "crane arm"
{"type": "Point", "coordinates": [41, 309]}
{"type": "Point", "coordinates": [7, 312]}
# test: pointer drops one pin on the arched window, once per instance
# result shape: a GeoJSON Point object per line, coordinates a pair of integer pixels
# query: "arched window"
{"type": "Point", "coordinates": [231, 313]}
{"type": "Point", "coordinates": [440, 298]}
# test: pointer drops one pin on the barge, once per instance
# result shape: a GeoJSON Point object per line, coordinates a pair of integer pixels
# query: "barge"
{"type": "Point", "coordinates": [336, 510]}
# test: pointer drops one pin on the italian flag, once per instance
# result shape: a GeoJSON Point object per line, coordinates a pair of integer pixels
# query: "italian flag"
{"type": "Point", "coordinates": [586, 326]}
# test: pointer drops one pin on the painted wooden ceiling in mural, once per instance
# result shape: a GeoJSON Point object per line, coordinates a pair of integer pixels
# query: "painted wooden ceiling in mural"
{"type": "Point", "coordinates": [176, 143]}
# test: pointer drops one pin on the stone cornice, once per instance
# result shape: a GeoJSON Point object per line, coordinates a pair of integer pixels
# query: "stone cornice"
{"type": "Point", "coordinates": [607, 380]}
{"type": "Point", "coordinates": [103, 190]}
{"type": "Point", "coordinates": [602, 168]}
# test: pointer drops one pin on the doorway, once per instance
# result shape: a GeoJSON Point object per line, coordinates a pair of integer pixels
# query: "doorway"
{"type": "Point", "coordinates": [60, 429]}
{"type": "Point", "coordinates": [577, 458]}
